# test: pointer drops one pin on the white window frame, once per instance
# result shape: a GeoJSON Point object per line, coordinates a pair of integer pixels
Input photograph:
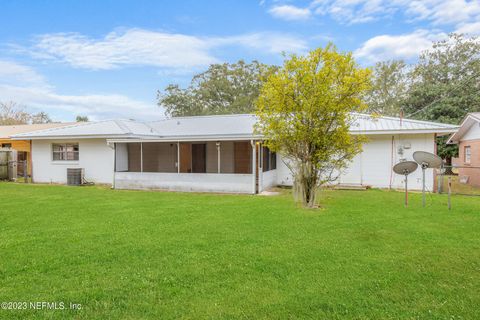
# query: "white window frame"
{"type": "Point", "coordinates": [65, 152]}
{"type": "Point", "coordinates": [467, 155]}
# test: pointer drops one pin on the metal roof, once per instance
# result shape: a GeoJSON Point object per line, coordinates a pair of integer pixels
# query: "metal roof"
{"type": "Point", "coordinates": [365, 123]}
{"type": "Point", "coordinates": [220, 127]}
{"type": "Point", "coordinates": [7, 131]}
{"type": "Point", "coordinates": [98, 129]}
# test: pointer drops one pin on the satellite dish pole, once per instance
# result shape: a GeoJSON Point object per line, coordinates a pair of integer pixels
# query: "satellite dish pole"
{"type": "Point", "coordinates": [424, 167]}
{"type": "Point", "coordinates": [405, 168]}
{"type": "Point", "coordinates": [426, 160]}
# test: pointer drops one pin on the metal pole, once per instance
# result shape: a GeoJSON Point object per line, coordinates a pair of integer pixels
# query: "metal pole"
{"type": "Point", "coordinates": [449, 192]}
{"type": "Point", "coordinates": [423, 187]}
{"type": "Point", "coordinates": [406, 190]}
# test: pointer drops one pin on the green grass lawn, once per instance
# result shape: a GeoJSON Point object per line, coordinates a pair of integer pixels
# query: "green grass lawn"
{"type": "Point", "coordinates": [159, 255]}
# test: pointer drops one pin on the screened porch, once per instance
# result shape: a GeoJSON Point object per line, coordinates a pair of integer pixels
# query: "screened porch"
{"type": "Point", "coordinates": [211, 166]}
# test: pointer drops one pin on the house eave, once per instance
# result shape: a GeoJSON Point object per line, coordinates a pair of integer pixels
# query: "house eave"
{"type": "Point", "coordinates": [71, 137]}
{"type": "Point", "coordinates": [406, 131]}
{"type": "Point", "coordinates": [233, 137]}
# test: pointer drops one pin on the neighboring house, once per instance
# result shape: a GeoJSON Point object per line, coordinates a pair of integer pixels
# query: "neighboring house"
{"type": "Point", "coordinates": [214, 153]}
{"type": "Point", "coordinates": [23, 147]}
{"type": "Point", "coordinates": [468, 139]}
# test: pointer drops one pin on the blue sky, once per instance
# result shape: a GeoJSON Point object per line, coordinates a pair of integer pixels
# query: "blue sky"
{"type": "Point", "coordinates": [107, 59]}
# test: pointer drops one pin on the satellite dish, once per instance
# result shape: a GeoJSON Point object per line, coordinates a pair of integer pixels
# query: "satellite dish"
{"type": "Point", "coordinates": [405, 168]}
{"type": "Point", "coordinates": [426, 160]}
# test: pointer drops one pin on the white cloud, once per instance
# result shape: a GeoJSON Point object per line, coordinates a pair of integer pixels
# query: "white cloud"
{"type": "Point", "coordinates": [132, 47]}
{"type": "Point", "coordinates": [442, 12]}
{"type": "Point", "coordinates": [24, 85]}
{"type": "Point", "coordinates": [266, 42]}
{"type": "Point", "coordinates": [355, 11]}
{"type": "Point", "coordinates": [439, 12]}
{"type": "Point", "coordinates": [289, 12]}
{"type": "Point", "coordinates": [14, 73]}
{"type": "Point", "coordinates": [138, 47]}
{"type": "Point", "coordinates": [95, 106]}
{"type": "Point", "coordinates": [405, 46]}
{"type": "Point", "coordinates": [469, 28]}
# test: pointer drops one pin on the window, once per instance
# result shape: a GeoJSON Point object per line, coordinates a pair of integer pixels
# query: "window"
{"type": "Point", "coordinates": [7, 145]}
{"type": "Point", "coordinates": [266, 159]}
{"type": "Point", "coordinates": [468, 154]}
{"type": "Point", "coordinates": [269, 160]}
{"type": "Point", "coordinates": [273, 161]}
{"type": "Point", "coordinates": [65, 151]}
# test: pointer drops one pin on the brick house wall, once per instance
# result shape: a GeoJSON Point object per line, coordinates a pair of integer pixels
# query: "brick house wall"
{"type": "Point", "coordinates": [472, 169]}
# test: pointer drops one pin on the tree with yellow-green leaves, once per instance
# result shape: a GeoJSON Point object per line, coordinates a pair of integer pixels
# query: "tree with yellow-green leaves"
{"type": "Point", "coordinates": [305, 110]}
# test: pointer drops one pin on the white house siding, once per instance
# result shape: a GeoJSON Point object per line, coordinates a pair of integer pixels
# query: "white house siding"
{"type": "Point", "coordinates": [373, 167]}
{"type": "Point", "coordinates": [196, 182]}
{"type": "Point", "coordinates": [269, 179]}
{"type": "Point", "coordinates": [473, 133]}
{"type": "Point", "coordinates": [284, 177]}
{"type": "Point", "coordinates": [95, 156]}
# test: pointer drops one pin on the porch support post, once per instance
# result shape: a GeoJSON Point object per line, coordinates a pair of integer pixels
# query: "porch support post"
{"type": "Point", "coordinates": [260, 167]}
{"type": "Point", "coordinates": [178, 157]}
{"type": "Point", "coordinates": [141, 156]}
{"type": "Point", "coordinates": [254, 167]}
{"type": "Point", "coordinates": [114, 164]}
{"type": "Point", "coordinates": [218, 156]}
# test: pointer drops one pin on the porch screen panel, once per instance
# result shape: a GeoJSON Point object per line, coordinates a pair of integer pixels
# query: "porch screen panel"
{"type": "Point", "coordinates": [243, 157]}
{"type": "Point", "coordinates": [227, 157]}
{"type": "Point", "coordinates": [212, 157]}
{"type": "Point", "coordinates": [199, 161]}
{"type": "Point", "coordinates": [134, 157]}
{"type": "Point", "coordinates": [159, 157]}
{"type": "Point", "coordinates": [185, 157]}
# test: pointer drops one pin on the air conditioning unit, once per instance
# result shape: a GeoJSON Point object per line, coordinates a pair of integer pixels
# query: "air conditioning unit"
{"type": "Point", "coordinates": [75, 176]}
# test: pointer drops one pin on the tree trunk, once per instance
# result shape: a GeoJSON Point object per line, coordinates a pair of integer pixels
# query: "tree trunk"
{"type": "Point", "coordinates": [306, 185]}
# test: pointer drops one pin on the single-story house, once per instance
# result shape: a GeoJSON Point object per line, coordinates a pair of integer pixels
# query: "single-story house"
{"type": "Point", "coordinates": [23, 147]}
{"type": "Point", "coordinates": [214, 153]}
{"type": "Point", "coordinates": [468, 139]}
